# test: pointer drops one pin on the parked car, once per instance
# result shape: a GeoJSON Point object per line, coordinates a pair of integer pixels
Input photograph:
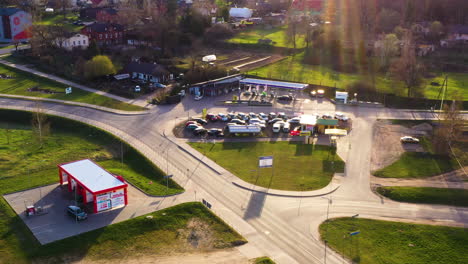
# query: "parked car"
{"type": "Point", "coordinates": [212, 117]}
{"type": "Point", "coordinates": [216, 132]}
{"type": "Point", "coordinates": [285, 97]}
{"type": "Point", "coordinates": [200, 121]}
{"type": "Point", "coordinates": [223, 117]}
{"type": "Point", "coordinates": [199, 131]}
{"type": "Point", "coordinates": [190, 123]}
{"type": "Point", "coordinates": [76, 212]}
{"type": "Point", "coordinates": [313, 93]}
{"type": "Point", "coordinates": [193, 126]}
{"type": "Point", "coordinates": [198, 97]}
{"type": "Point", "coordinates": [296, 131]}
{"type": "Point", "coordinates": [247, 93]}
{"type": "Point", "coordinates": [294, 120]}
{"type": "Point", "coordinates": [232, 115]}
{"type": "Point", "coordinates": [286, 127]}
{"type": "Point", "coordinates": [408, 139]}
{"type": "Point", "coordinates": [263, 116]}
{"type": "Point", "coordinates": [242, 116]}
{"type": "Point", "coordinates": [340, 116]}
{"type": "Point", "coordinates": [276, 128]}
{"type": "Point", "coordinates": [237, 121]}
{"type": "Point", "coordinates": [320, 93]}
{"type": "Point", "coordinates": [274, 120]}
{"type": "Point", "coordinates": [281, 123]}
{"type": "Point", "coordinates": [257, 120]}
{"type": "Point", "coordinates": [159, 85]}
{"type": "Point", "coordinates": [271, 115]}
{"type": "Point", "coordinates": [282, 115]}
{"type": "Point", "coordinates": [252, 115]}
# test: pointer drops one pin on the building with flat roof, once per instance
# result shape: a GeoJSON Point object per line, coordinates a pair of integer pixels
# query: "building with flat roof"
{"type": "Point", "coordinates": [94, 184]}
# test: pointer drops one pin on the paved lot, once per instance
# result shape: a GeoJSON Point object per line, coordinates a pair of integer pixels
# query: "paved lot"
{"type": "Point", "coordinates": [56, 224]}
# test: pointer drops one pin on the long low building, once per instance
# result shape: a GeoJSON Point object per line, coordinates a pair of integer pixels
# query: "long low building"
{"type": "Point", "coordinates": [273, 84]}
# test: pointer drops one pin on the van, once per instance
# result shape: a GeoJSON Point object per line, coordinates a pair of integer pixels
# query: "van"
{"type": "Point", "coordinates": [276, 128]}
{"type": "Point", "coordinates": [286, 127]}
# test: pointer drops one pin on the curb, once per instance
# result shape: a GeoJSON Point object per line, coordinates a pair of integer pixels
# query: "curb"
{"type": "Point", "coordinates": [152, 195]}
{"type": "Point", "coordinates": [91, 106]}
{"type": "Point", "coordinates": [321, 192]}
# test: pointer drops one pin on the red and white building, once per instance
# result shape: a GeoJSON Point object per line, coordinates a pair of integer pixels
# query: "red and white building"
{"type": "Point", "coordinates": [15, 25]}
{"type": "Point", "coordinates": [104, 33]}
{"type": "Point", "coordinates": [94, 184]}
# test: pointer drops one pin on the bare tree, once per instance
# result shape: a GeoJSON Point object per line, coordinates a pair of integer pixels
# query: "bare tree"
{"type": "Point", "coordinates": [291, 32]}
{"type": "Point", "coordinates": [40, 124]}
{"type": "Point", "coordinates": [387, 50]}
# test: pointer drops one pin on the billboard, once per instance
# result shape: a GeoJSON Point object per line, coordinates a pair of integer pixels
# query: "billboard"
{"type": "Point", "coordinates": [20, 25]}
{"type": "Point", "coordinates": [118, 198]}
{"type": "Point", "coordinates": [265, 162]}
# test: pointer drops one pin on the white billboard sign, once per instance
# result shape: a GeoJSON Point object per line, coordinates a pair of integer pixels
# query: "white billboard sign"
{"type": "Point", "coordinates": [118, 198]}
{"type": "Point", "coordinates": [265, 162]}
{"type": "Point", "coordinates": [103, 202]}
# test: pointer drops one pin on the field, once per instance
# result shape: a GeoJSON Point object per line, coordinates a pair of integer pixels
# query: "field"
{"type": "Point", "coordinates": [382, 242]}
{"type": "Point", "coordinates": [58, 19]}
{"type": "Point", "coordinates": [22, 81]}
{"type": "Point", "coordinates": [308, 167]}
{"type": "Point", "coordinates": [426, 195]}
{"type": "Point", "coordinates": [292, 69]}
{"type": "Point", "coordinates": [277, 35]}
{"type": "Point", "coordinates": [417, 165]}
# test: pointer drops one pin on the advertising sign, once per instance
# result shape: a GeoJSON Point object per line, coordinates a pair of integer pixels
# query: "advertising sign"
{"type": "Point", "coordinates": [265, 162]}
{"type": "Point", "coordinates": [89, 197]}
{"type": "Point", "coordinates": [304, 133]}
{"type": "Point", "coordinates": [103, 202]}
{"type": "Point", "coordinates": [118, 198]}
{"type": "Point", "coordinates": [68, 90]}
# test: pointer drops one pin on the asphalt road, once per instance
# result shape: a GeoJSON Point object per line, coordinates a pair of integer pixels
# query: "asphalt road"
{"type": "Point", "coordinates": [283, 228]}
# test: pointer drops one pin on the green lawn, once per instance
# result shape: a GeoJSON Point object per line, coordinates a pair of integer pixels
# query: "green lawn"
{"type": "Point", "coordinates": [178, 229]}
{"type": "Point", "coordinates": [417, 165]}
{"type": "Point", "coordinates": [58, 19]}
{"type": "Point", "coordinates": [22, 81]}
{"type": "Point", "coordinates": [456, 197]}
{"type": "Point", "coordinates": [384, 242]}
{"type": "Point", "coordinates": [277, 35]}
{"type": "Point", "coordinates": [297, 167]}
{"type": "Point", "coordinates": [263, 260]}
{"type": "Point", "coordinates": [292, 69]}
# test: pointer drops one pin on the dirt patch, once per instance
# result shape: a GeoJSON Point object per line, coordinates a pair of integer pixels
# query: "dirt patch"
{"type": "Point", "coordinates": [387, 147]}
{"type": "Point", "coordinates": [197, 234]}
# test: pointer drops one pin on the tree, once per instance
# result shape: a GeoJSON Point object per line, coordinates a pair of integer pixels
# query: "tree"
{"type": "Point", "coordinates": [451, 121]}
{"type": "Point", "coordinates": [63, 4]}
{"type": "Point", "coordinates": [387, 50]}
{"type": "Point", "coordinates": [40, 124]}
{"type": "Point", "coordinates": [291, 32]}
{"type": "Point", "coordinates": [44, 38]}
{"type": "Point", "coordinates": [407, 68]}
{"type": "Point", "coordinates": [99, 66]}
{"type": "Point", "coordinates": [436, 31]}
{"type": "Point", "coordinates": [388, 20]}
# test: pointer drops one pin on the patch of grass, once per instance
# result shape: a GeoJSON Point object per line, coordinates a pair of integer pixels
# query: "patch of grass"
{"type": "Point", "coordinates": [297, 167]}
{"type": "Point", "coordinates": [276, 34]}
{"type": "Point", "coordinates": [58, 19]}
{"type": "Point", "coordinates": [408, 123]}
{"type": "Point", "coordinates": [417, 165]}
{"type": "Point", "coordinates": [426, 195]}
{"type": "Point", "coordinates": [292, 69]}
{"type": "Point", "coordinates": [263, 260]}
{"type": "Point", "coordinates": [383, 242]}
{"type": "Point", "coordinates": [22, 81]}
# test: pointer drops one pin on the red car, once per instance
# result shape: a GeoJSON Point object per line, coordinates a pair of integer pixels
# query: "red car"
{"type": "Point", "coordinates": [191, 122]}
{"type": "Point", "coordinates": [295, 132]}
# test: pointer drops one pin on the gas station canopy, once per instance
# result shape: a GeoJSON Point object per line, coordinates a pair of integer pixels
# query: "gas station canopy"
{"type": "Point", "coordinates": [274, 84]}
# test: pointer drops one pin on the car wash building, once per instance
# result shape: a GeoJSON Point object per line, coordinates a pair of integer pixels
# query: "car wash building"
{"type": "Point", "coordinates": [94, 184]}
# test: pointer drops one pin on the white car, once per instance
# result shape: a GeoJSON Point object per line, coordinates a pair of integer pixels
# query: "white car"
{"type": "Point", "coordinates": [294, 120]}
{"type": "Point", "coordinates": [198, 97]}
{"type": "Point", "coordinates": [257, 121]}
{"type": "Point", "coordinates": [340, 116]}
{"type": "Point", "coordinates": [223, 117]}
{"type": "Point", "coordinates": [408, 139]}
{"type": "Point", "coordinates": [286, 127]}
{"type": "Point", "coordinates": [263, 116]}
{"type": "Point", "coordinates": [276, 127]}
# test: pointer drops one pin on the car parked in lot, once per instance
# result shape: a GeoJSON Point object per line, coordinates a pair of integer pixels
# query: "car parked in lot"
{"type": "Point", "coordinates": [294, 120]}
{"type": "Point", "coordinates": [76, 212]}
{"type": "Point", "coordinates": [281, 115]}
{"type": "Point", "coordinates": [252, 115]}
{"type": "Point", "coordinates": [242, 116]}
{"type": "Point", "coordinates": [271, 115]}
{"type": "Point", "coordinates": [216, 132]}
{"type": "Point", "coordinates": [342, 117]}
{"type": "Point", "coordinates": [327, 116]}
{"type": "Point", "coordinates": [198, 97]}
{"type": "Point", "coordinates": [191, 123]}
{"type": "Point", "coordinates": [285, 98]}
{"type": "Point", "coordinates": [247, 93]}
{"type": "Point", "coordinates": [199, 131]}
{"type": "Point", "coordinates": [262, 116]}
{"type": "Point", "coordinates": [256, 120]}
{"type": "Point", "coordinates": [296, 131]}
{"type": "Point", "coordinates": [274, 120]}
{"type": "Point", "coordinates": [276, 128]}
{"type": "Point", "coordinates": [212, 117]}
{"type": "Point", "coordinates": [200, 121]}
{"type": "Point", "coordinates": [237, 121]}
{"type": "Point", "coordinates": [313, 93]}
{"type": "Point", "coordinates": [193, 126]}
{"type": "Point", "coordinates": [409, 139]}
{"type": "Point", "coordinates": [223, 117]}
{"type": "Point", "coordinates": [286, 127]}
{"type": "Point", "coordinates": [232, 115]}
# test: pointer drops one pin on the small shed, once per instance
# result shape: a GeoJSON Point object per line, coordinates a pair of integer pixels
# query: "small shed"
{"type": "Point", "coordinates": [323, 124]}
{"type": "Point", "coordinates": [341, 97]}
{"type": "Point", "coordinates": [94, 184]}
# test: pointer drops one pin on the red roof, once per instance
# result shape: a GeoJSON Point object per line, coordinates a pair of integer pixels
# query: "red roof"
{"type": "Point", "coordinates": [307, 4]}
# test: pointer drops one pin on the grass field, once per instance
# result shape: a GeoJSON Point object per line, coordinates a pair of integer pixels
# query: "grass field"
{"type": "Point", "coordinates": [297, 167]}
{"type": "Point", "coordinates": [383, 242]}
{"type": "Point", "coordinates": [426, 195]}
{"type": "Point", "coordinates": [277, 35]}
{"type": "Point", "coordinates": [417, 165]}
{"type": "Point", "coordinates": [58, 19]}
{"type": "Point", "coordinates": [292, 69]}
{"type": "Point", "coordinates": [182, 228]}
{"type": "Point", "coordinates": [22, 81]}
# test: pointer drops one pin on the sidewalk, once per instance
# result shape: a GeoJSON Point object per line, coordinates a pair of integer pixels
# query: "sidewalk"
{"type": "Point", "coordinates": [137, 102]}
{"type": "Point", "coordinates": [102, 108]}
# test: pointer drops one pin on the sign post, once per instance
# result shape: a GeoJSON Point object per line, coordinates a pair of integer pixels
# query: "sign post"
{"type": "Point", "coordinates": [68, 90]}
{"type": "Point", "coordinates": [265, 162]}
{"type": "Point", "coordinates": [167, 182]}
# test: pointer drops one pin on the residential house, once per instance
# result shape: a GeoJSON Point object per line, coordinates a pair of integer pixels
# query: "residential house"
{"type": "Point", "coordinates": [147, 72]}
{"type": "Point", "coordinates": [104, 33]}
{"type": "Point", "coordinates": [456, 34]}
{"type": "Point", "coordinates": [100, 14]}
{"type": "Point", "coordinates": [73, 40]}
{"type": "Point", "coordinates": [15, 25]}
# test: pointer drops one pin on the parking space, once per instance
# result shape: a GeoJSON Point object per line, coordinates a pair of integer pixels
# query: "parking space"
{"type": "Point", "coordinates": [56, 224]}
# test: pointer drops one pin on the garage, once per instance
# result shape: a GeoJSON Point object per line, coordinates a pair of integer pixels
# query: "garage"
{"type": "Point", "coordinates": [94, 184]}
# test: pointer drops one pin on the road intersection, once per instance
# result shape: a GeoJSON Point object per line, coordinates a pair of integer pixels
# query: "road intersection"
{"type": "Point", "coordinates": [284, 228]}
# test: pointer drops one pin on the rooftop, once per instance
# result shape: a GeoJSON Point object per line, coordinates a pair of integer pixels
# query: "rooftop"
{"type": "Point", "coordinates": [91, 175]}
{"type": "Point", "coordinates": [275, 84]}
{"type": "Point", "coordinates": [308, 120]}
{"type": "Point", "coordinates": [327, 122]}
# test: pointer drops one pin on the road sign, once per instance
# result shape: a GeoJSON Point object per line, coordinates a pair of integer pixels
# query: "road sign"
{"type": "Point", "coordinates": [68, 90]}
{"type": "Point", "coordinates": [265, 162]}
{"type": "Point", "coordinates": [354, 233]}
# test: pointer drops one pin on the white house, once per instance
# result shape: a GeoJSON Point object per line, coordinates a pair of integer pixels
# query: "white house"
{"type": "Point", "coordinates": [73, 41]}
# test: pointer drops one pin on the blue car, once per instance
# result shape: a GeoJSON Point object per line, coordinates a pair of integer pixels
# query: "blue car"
{"type": "Point", "coordinates": [159, 85]}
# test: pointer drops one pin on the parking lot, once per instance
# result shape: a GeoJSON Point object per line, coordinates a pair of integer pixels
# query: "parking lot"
{"type": "Point", "coordinates": [56, 224]}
